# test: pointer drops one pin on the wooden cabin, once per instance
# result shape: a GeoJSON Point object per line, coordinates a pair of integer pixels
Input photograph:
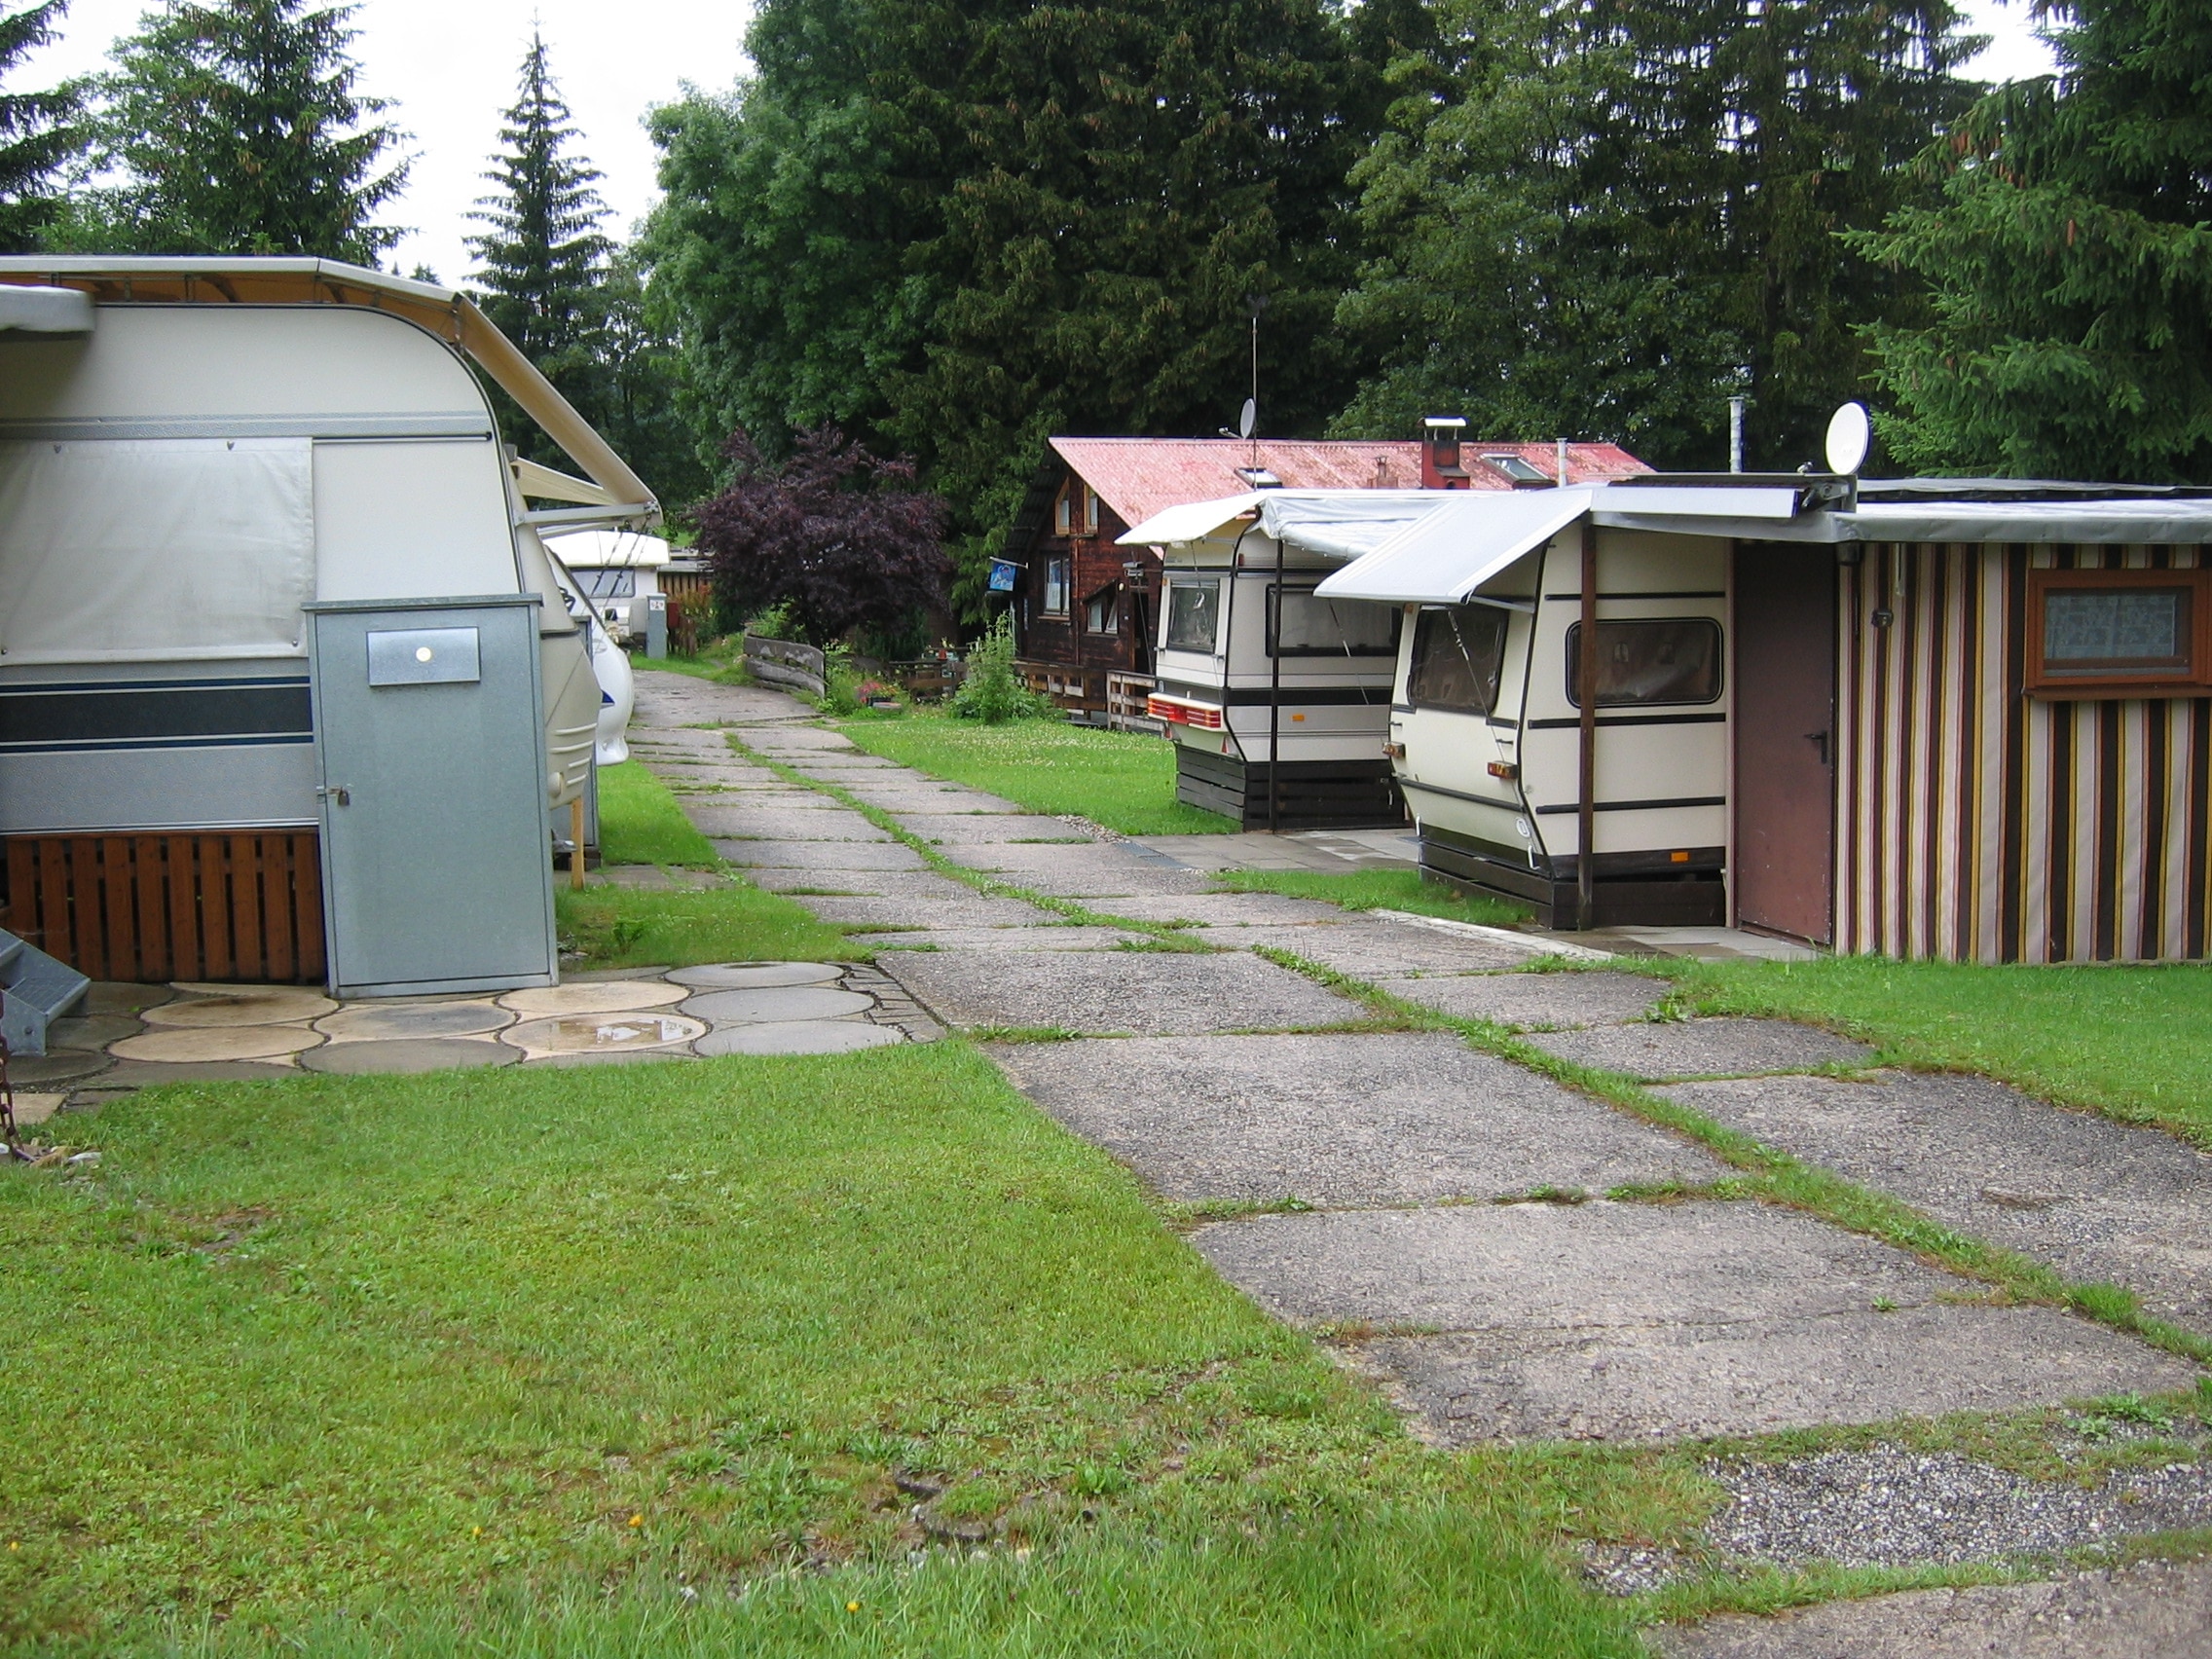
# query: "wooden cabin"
{"type": "Point", "coordinates": [1968, 720]}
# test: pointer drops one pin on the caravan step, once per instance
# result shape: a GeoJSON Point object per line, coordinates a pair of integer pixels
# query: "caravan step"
{"type": "Point", "coordinates": [35, 990]}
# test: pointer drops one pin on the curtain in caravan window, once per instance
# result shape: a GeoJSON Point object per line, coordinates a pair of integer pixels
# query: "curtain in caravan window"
{"type": "Point", "coordinates": [147, 551]}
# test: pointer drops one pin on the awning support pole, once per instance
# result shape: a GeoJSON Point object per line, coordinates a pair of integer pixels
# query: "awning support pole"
{"type": "Point", "coordinates": [1271, 633]}
{"type": "Point", "coordinates": [1586, 809]}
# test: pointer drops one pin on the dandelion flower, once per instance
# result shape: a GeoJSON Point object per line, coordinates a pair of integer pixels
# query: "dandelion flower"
{"type": "Point", "coordinates": [852, 1607]}
{"type": "Point", "coordinates": [637, 1520]}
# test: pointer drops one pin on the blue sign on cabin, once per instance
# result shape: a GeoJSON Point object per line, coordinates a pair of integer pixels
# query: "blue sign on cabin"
{"type": "Point", "coordinates": [1001, 576]}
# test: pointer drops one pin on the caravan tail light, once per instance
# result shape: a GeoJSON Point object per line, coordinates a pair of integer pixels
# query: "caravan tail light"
{"type": "Point", "coordinates": [1176, 712]}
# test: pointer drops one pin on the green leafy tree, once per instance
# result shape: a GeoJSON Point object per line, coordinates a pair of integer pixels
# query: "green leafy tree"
{"type": "Point", "coordinates": [544, 254]}
{"type": "Point", "coordinates": [2070, 266]}
{"type": "Point", "coordinates": [1603, 221]}
{"type": "Point", "coordinates": [38, 134]}
{"type": "Point", "coordinates": [235, 128]}
{"type": "Point", "coordinates": [957, 227]}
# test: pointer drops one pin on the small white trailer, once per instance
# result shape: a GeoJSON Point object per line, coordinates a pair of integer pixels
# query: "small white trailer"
{"type": "Point", "coordinates": [288, 688]}
{"type": "Point", "coordinates": [619, 570]}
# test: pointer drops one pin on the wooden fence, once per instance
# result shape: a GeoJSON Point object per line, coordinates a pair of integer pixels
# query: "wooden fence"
{"type": "Point", "coordinates": [781, 662]}
{"type": "Point", "coordinates": [243, 904]}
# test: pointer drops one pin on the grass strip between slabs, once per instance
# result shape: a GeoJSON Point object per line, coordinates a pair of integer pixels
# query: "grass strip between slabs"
{"type": "Point", "coordinates": [1162, 935]}
{"type": "Point", "coordinates": [1777, 1177]}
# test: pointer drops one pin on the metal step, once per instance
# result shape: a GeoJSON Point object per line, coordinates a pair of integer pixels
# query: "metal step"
{"type": "Point", "coordinates": [35, 990]}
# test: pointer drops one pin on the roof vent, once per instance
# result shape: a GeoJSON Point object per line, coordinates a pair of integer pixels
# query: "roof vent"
{"type": "Point", "coordinates": [1520, 469]}
{"type": "Point", "coordinates": [1259, 478]}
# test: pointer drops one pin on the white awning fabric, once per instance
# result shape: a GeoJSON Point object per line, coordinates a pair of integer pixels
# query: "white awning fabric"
{"type": "Point", "coordinates": [1190, 521]}
{"type": "Point", "coordinates": [155, 550]}
{"type": "Point", "coordinates": [1449, 553]}
{"type": "Point", "coordinates": [1347, 522]}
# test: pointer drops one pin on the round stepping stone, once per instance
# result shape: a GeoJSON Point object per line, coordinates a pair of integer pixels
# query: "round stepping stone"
{"type": "Point", "coordinates": [209, 1005]}
{"type": "Point", "coordinates": [407, 1055]}
{"type": "Point", "coordinates": [56, 1065]}
{"type": "Point", "coordinates": [800, 1037]}
{"type": "Point", "coordinates": [388, 1022]}
{"type": "Point", "coordinates": [787, 1002]}
{"type": "Point", "coordinates": [217, 1042]}
{"type": "Point", "coordinates": [597, 996]}
{"type": "Point", "coordinates": [748, 976]}
{"type": "Point", "coordinates": [615, 1032]}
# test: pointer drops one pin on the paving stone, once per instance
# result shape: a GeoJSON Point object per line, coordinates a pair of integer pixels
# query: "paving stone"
{"type": "Point", "coordinates": [56, 1065]}
{"type": "Point", "coordinates": [185, 1043]}
{"type": "Point", "coordinates": [821, 855]}
{"type": "Point", "coordinates": [1147, 993]}
{"type": "Point", "coordinates": [800, 739]}
{"type": "Point", "coordinates": [752, 976]}
{"type": "Point", "coordinates": [798, 1037]}
{"type": "Point", "coordinates": [92, 1031]}
{"type": "Point", "coordinates": [1645, 1322]}
{"type": "Point", "coordinates": [1704, 1048]}
{"type": "Point", "coordinates": [601, 996]}
{"type": "Point", "coordinates": [1232, 909]}
{"type": "Point", "coordinates": [1560, 1000]}
{"type": "Point", "coordinates": [32, 1110]}
{"type": "Point", "coordinates": [2151, 1610]}
{"type": "Point", "coordinates": [861, 883]}
{"type": "Point", "coordinates": [907, 803]}
{"type": "Point", "coordinates": [239, 1004]}
{"type": "Point", "coordinates": [858, 762]}
{"type": "Point", "coordinates": [762, 1005]}
{"type": "Point", "coordinates": [113, 996]}
{"type": "Point", "coordinates": [127, 1075]}
{"type": "Point", "coordinates": [1349, 1120]}
{"type": "Point", "coordinates": [613, 1032]}
{"type": "Point", "coordinates": [996, 828]}
{"type": "Point", "coordinates": [971, 910]}
{"type": "Point", "coordinates": [1084, 860]}
{"type": "Point", "coordinates": [2099, 1200]}
{"type": "Point", "coordinates": [407, 1055]}
{"type": "Point", "coordinates": [378, 1022]}
{"type": "Point", "coordinates": [833, 824]}
{"type": "Point", "coordinates": [1368, 947]}
{"type": "Point", "coordinates": [1118, 879]}
{"type": "Point", "coordinates": [993, 940]}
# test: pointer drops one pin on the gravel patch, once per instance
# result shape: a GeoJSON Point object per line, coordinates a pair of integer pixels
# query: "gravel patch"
{"type": "Point", "coordinates": [1889, 1507]}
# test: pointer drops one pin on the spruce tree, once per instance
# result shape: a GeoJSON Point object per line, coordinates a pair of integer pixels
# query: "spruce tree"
{"type": "Point", "coordinates": [37, 131]}
{"type": "Point", "coordinates": [2070, 266]}
{"type": "Point", "coordinates": [543, 255]}
{"type": "Point", "coordinates": [236, 129]}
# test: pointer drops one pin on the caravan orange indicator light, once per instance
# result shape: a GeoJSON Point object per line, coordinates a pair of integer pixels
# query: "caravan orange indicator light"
{"type": "Point", "coordinates": [1506, 769]}
{"type": "Point", "coordinates": [1679, 858]}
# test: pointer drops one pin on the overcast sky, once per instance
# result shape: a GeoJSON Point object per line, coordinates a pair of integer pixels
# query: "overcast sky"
{"type": "Point", "coordinates": [449, 67]}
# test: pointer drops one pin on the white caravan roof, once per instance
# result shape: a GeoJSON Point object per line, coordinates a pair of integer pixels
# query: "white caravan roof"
{"type": "Point", "coordinates": [614, 490]}
{"type": "Point", "coordinates": [607, 550]}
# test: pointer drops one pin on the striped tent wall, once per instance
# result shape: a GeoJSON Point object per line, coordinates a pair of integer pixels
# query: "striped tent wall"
{"type": "Point", "coordinates": [1976, 824]}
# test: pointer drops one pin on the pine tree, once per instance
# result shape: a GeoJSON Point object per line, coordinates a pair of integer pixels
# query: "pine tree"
{"type": "Point", "coordinates": [236, 129]}
{"type": "Point", "coordinates": [2070, 266]}
{"type": "Point", "coordinates": [37, 130]}
{"type": "Point", "coordinates": [544, 256]}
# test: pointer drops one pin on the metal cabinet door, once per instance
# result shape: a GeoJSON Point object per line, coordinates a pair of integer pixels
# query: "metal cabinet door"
{"type": "Point", "coordinates": [428, 741]}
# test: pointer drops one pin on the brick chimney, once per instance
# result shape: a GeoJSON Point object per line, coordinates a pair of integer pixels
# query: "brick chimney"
{"type": "Point", "coordinates": [1440, 467]}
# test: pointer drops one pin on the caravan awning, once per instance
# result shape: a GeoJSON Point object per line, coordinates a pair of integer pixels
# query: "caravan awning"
{"type": "Point", "coordinates": [1337, 524]}
{"type": "Point", "coordinates": [1449, 553]}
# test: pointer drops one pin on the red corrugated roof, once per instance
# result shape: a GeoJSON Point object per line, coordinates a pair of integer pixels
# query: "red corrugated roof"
{"type": "Point", "coordinates": [1138, 477]}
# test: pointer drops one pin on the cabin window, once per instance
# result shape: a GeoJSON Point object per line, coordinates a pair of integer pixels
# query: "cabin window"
{"type": "Point", "coordinates": [608, 584]}
{"type": "Point", "coordinates": [1661, 659]}
{"type": "Point", "coordinates": [1194, 616]}
{"type": "Point", "coordinates": [1459, 656]}
{"type": "Point", "coordinates": [1301, 623]}
{"type": "Point", "coordinates": [2118, 629]}
{"type": "Point", "coordinates": [1076, 513]}
{"type": "Point", "coordinates": [1102, 613]}
{"type": "Point", "coordinates": [1056, 586]}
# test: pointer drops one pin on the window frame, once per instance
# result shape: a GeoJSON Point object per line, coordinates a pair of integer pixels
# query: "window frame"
{"type": "Point", "coordinates": [1064, 563]}
{"type": "Point", "coordinates": [1274, 611]}
{"type": "Point", "coordinates": [1111, 596]}
{"type": "Point", "coordinates": [1415, 660]}
{"type": "Point", "coordinates": [1570, 662]}
{"type": "Point", "coordinates": [1168, 613]}
{"type": "Point", "coordinates": [2191, 678]}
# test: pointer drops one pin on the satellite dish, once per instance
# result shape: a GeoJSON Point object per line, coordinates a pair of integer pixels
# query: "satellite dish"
{"type": "Point", "coordinates": [1848, 434]}
{"type": "Point", "coordinates": [1249, 419]}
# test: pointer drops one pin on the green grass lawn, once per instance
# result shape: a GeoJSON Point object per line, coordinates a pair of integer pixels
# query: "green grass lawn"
{"type": "Point", "coordinates": [505, 1361]}
{"type": "Point", "coordinates": [640, 822]}
{"type": "Point", "coordinates": [1123, 780]}
{"type": "Point", "coordinates": [2135, 1042]}
{"type": "Point", "coordinates": [722, 662]}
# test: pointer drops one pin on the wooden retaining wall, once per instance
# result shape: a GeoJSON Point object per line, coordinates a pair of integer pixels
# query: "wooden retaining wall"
{"type": "Point", "coordinates": [221, 906]}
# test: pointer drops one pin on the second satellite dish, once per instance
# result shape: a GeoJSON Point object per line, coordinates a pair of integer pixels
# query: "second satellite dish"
{"type": "Point", "coordinates": [1249, 419]}
{"type": "Point", "coordinates": [1848, 434]}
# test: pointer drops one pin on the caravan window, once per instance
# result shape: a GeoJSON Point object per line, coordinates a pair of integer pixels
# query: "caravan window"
{"type": "Point", "coordinates": [1301, 624]}
{"type": "Point", "coordinates": [1458, 658]}
{"type": "Point", "coordinates": [608, 584]}
{"type": "Point", "coordinates": [1194, 616]}
{"type": "Point", "coordinates": [1671, 659]}
{"type": "Point", "coordinates": [2121, 628]}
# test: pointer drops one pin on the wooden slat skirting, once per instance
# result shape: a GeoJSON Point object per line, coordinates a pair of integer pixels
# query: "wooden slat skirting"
{"type": "Point", "coordinates": [243, 905]}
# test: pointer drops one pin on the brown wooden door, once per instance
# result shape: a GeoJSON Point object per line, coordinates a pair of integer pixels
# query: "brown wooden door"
{"type": "Point", "coordinates": [1785, 714]}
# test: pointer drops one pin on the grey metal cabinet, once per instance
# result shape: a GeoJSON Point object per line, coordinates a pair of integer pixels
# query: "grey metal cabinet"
{"type": "Point", "coordinates": [430, 756]}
